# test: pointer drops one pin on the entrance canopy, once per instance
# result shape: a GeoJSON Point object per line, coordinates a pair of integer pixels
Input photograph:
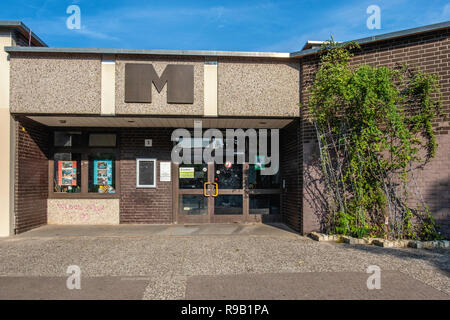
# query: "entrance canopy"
{"type": "Point", "coordinates": [161, 122]}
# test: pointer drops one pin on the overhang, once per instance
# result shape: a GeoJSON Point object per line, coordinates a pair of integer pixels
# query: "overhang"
{"type": "Point", "coordinates": [24, 30]}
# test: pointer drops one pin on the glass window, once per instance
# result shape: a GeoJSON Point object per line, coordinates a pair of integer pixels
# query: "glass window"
{"type": "Point", "coordinates": [193, 204]}
{"type": "Point", "coordinates": [228, 204]}
{"type": "Point", "coordinates": [192, 176]}
{"type": "Point", "coordinates": [102, 140]}
{"type": "Point", "coordinates": [102, 173]}
{"type": "Point", "coordinates": [258, 181]}
{"type": "Point", "coordinates": [264, 204]}
{"type": "Point", "coordinates": [67, 139]}
{"type": "Point", "coordinates": [228, 178]}
{"type": "Point", "coordinates": [67, 172]}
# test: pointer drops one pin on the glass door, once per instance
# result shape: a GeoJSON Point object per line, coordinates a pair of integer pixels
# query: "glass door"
{"type": "Point", "coordinates": [224, 193]}
{"type": "Point", "coordinates": [193, 205]}
{"type": "Point", "coordinates": [229, 203]}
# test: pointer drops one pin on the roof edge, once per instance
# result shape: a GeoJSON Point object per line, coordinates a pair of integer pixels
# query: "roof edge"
{"type": "Point", "coordinates": [381, 37]}
{"type": "Point", "coordinates": [22, 28]}
{"type": "Point", "coordinates": [151, 52]}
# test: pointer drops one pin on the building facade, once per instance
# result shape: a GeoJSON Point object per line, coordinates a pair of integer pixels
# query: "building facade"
{"type": "Point", "coordinates": [87, 134]}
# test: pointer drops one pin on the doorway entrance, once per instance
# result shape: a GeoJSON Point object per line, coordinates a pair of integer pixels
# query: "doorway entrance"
{"type": "Point", "coordinates": [225, 193]}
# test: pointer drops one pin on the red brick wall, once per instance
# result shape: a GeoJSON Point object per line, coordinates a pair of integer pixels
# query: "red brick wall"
{"type": "Point", "coordinates": [428, 52]}
{"type": "Point", "coordinates": [144, 205]}
{"type": "Point", "coordinates": [31, 181]}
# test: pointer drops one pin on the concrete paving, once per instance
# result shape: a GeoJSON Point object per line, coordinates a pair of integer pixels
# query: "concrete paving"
{"type": "Point", "coordinates": [130, 230]}
{"type": "Point", "coordinates": [217, 261]}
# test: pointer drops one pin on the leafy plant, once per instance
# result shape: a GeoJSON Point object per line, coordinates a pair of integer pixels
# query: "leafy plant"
{"type": "Point", "coordinates": [372, 123]}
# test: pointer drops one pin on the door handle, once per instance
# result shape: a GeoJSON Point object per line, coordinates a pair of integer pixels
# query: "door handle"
{"type": "Point", "coordinates": [211, 195]}
{"type": "Point", "coordinates": [204, 189]}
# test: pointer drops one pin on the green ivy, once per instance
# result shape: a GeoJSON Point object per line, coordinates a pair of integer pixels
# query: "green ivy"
{"type": "Point", "coordinates": [384, 118]}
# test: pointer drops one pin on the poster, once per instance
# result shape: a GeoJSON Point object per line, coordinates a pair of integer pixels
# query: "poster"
{"type": "Point", "coordinates": [186, 172]}
{"type": "Point", "coordinates": [102, 172]}
{"type": "Point", "coordinates": [164, 171]}
{"type": "Point", "coordinates": [67, 173]}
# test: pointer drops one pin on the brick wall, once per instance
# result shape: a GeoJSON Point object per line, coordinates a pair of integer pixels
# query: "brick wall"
{"type": "Point", "coordinates": [144, 205]}
{"type": "Point", "coordinates": [291, 159]}
{"type": "Point", "coordinates": [31, 180]}
{"type": "Point", "coordinates": [428, 52]}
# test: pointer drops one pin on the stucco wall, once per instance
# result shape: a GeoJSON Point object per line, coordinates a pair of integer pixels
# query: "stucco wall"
{"type": "Point", "coordinates": [159, 103]}
{"type": "Point", "coordinates": [83, 211]}
{"type": "Point", "coordinates": [55, 83]}
{"type": "Point", "coordinates": [266, 87]}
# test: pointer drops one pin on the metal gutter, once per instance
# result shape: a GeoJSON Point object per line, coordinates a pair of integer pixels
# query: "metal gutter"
{"type": "Point", "coordinates": [204, 53]}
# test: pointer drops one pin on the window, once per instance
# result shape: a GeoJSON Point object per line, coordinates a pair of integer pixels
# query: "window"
{"type": "Point", "coordinates": [67, 139]}
{"type": "Point", "coordinates": [102, 140]}
{"type": "Point", "coordinates": [102, 178]}
{"type": "Point", "coordinates": [84, 165]}
{"type": "Point", "coordinates": [264, 204]}
{"type": "Point", "coordinates": [146, 173]}
{"type": "Point", "coordinates": [67, 173]}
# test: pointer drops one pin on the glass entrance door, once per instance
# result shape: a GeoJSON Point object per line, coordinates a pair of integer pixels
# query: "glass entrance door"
{"type": "Point", "coordinates": [224, 193]}
{"type": "Point", "coordinates": [229, 203]}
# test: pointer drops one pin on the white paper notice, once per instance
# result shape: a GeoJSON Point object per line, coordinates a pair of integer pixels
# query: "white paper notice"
{"type": "Point", "coordinates": [164, 171]}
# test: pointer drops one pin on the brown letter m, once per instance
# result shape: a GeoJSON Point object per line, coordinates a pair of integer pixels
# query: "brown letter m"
{"type": "Point", "coordinates": [139, 79]}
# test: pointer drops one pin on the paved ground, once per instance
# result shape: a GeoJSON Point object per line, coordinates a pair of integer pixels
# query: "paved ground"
{"type": "Point", "coordinates": [210, 262]}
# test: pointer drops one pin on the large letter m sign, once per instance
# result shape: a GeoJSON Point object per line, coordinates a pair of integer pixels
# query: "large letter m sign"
{"type": "Point", "coordinates": [140, 77]}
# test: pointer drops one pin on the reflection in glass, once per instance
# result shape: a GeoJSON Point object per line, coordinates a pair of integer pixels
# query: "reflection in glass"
{"type": "Point", "coordinates": [228, 178]}
{"type": "Point", "coordinates": [264, 204]}
{"type": "Point", "coordinates": [228, 204]}
{"type": "Point", "coordinates": [258, 181]}
{"type": "Point", "coordinates": [193, 204]}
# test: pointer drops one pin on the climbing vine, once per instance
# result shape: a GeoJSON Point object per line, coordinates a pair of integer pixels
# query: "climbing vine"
{"type": "Point", "coordinates": [374, 125]}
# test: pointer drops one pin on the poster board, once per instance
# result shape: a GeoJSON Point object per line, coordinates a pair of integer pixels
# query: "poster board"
{"type": "Point", "coordinates": [102, 172]}
{"type": "Point", "coordinates": [146, 173]}
{"type": "Point", "coordinates": [67, 173]}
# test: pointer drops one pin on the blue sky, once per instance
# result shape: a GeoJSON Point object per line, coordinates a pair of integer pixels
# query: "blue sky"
{"type": "Point", "coordinates": [216, 25]}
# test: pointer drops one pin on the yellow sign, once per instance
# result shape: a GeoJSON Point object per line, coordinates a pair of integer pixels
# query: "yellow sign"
{"type": "Point", "coordinates": [186, 173]}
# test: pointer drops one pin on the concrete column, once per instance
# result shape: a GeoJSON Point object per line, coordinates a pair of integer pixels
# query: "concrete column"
{"type": "Point", "coordinates": [108, 97]}
{"type": "Point", "coordinates": [7, 144]}
{"type": "Point", "coordinates": [210, 85]}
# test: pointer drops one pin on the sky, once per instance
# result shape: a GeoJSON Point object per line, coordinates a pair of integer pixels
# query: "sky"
{"type": "Point", "coordinates": [277, 26]}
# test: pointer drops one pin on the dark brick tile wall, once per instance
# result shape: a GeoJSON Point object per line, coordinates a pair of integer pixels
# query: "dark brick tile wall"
{"type": "Point", "coordinates": [290, 166]}
{"type": "Point", "coordinates": [144, 205]}
{"type": "Point", "coordinates": [428, 52]}
{"type": "Point", "coordinates": [31, 180]}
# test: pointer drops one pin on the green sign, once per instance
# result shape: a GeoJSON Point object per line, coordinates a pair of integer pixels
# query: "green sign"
{"type": "Point", "coordinates": [260, 162]}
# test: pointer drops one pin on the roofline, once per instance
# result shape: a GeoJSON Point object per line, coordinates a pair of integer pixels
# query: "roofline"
{"type": "Point", "coordinates": [22, 29]}
{"type": "Point", "coordinates": [204, 53]}
{"type": "Point", "coordinates": [381, 37]}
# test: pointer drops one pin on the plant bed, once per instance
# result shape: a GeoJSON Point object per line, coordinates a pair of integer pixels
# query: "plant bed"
{"type": "Point", "coordinates": [384, 243]}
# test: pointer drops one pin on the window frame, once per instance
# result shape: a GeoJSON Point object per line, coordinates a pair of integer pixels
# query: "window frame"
{"type": "Point", "coordinates": [85, 151]}
{"type": "Point", "coordinates": [149, 186]}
